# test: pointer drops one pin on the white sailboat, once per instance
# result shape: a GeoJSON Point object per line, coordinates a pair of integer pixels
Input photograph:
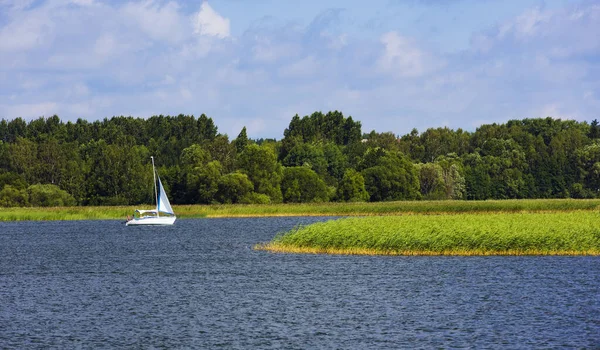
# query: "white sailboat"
{"type": "Point", "coordinates": [162, 215]}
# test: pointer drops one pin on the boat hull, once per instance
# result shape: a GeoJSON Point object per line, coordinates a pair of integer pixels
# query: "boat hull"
{"type": "Point", "coordinates": [162, 220]}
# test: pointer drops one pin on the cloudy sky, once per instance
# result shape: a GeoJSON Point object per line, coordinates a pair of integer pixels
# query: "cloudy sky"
{"type": "Point", "coordinates": [394, 65]}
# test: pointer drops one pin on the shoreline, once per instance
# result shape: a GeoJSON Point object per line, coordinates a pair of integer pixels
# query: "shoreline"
{"type": "Point", "coordinates": [400, 208]}
{"type": "Point", "coordinates": [283, 249]}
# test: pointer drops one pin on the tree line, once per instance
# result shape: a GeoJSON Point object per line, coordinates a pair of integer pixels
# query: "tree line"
{"type": "Point", "coordinates": [322, 157]}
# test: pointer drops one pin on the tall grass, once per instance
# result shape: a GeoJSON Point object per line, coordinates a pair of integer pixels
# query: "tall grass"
{"type": "Point", "coordinates": [64, 213]}
{"type": "Point", "coordinates": [559, 233]}
{"type": "Point", "coordinates": [312, 209]}
{"type": "Point", "coordinates": [390, 208]}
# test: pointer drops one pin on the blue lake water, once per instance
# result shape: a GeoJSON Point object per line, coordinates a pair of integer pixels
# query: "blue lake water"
{"type": "Point", "coordinates": [199, 284]}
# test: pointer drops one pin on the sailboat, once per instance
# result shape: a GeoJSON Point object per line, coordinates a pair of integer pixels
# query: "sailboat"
{"type": "Point", "coordinates": [162, 215]}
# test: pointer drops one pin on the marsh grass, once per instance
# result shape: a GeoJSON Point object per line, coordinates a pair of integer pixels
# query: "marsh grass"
{"type": "Point", "coordinates": [311, 209]}
{"type": "Point", "coordinates": [388, 208]}
{"type": "Point", "coordinates": [64, 213]}
{"type": "Point", "coordinates": [558, 233]}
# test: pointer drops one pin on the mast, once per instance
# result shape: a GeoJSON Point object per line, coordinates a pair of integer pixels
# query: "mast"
{"type": "Point", "coordinates": [155, 189]}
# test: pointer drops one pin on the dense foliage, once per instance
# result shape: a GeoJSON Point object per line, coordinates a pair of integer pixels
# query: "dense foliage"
{"type": "Point", "coordinates": [559, 233]}
{"type": "Point", "coordinates": [322, 157]}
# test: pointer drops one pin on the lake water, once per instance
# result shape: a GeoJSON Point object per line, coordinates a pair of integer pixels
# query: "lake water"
{"type": "Point", "coordinates": [199, 284]}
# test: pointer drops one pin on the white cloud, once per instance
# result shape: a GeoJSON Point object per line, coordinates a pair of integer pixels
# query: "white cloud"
{"type": "Point", "coordinates": [16, 5]}
{"type": "Point", "coordinates": [208, 22]}
{"type": "Point", "coordinates": [105, 45]}
{"type": "Point", "coordinates": [304, 68]}
{"type": "Point", "coordinates": [525, 25]}
{"type": "Point", "coordinates": [24, 33]}
{"type": "Point", "coordinates": [530, 22]}
{"type": "Point", "coordinates": [337, 42]}
{"type": "Point", "coordinates": [199, 48]}
{"type": "Point", "coordinates": [164, 23]}
{"type": "Point", "coordinates": [403, 58]}
{"type": "Point", "coordinates": [29, 110]}
{"type": "Point", "coordinates": [185, 93]}
{"type": "Point", "coordinates": [168, 80]}
{"type": "Point", "coordinates": [78, 90]}
{"type": "Point", "coordinates": [554, 110]}
{"type": "Point", "coordinates": [80, 110]}
{"type": "Point", "coordinates": [268, 50]}
{"type": "Point", "coordinates": [230, 76]}
{"type": "Point", "coordinates": [559, 33]}
{"type": "Point", "coordinates": [83, 2]}
{"type": "Point", "coordinates": [96, 59]}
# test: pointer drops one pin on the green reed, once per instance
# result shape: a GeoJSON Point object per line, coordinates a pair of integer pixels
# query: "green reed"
{"type": "Point", "coordinates": [391, 208]}
{"type": "Point", "coordinates": [309, 209]}
{"type": "Point", "coordinates": [558, 233]}
{"type": "Point", "coordinates": [64, 213]}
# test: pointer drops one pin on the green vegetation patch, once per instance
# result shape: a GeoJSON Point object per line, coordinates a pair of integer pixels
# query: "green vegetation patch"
{"type": "Point", "coordinates": [567, 233]}
{"type": "Point", "coordinates": [64, 213]}
{"type": "Point", "coordinates": [307, 209]}
{"type": "Point", "coordinates": [392, 208]}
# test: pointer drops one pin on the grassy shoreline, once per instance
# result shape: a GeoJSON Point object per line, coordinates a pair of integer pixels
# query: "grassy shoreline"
{"type": "Point", "coordinates": [313, 209]}
{"type": "Point", "coordinates": [509, 227]}
{"type": "Point", "coordinates": [556, 233]}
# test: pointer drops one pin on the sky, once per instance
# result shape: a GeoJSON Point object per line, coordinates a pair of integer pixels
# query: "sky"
{"type": "Point", "coordinates": [393, 65]}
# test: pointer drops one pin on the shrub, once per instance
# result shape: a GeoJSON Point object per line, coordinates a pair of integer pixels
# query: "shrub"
{"type": "Point", "coordinates": [13, 197]}
{"type": "Point", "coordinates": [301, 184]}
{"type": "Point", "coordinates": [49, 196]}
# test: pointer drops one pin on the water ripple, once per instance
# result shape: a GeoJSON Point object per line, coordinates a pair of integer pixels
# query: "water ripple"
{"type": "Point", "coordinates": [198, 284]}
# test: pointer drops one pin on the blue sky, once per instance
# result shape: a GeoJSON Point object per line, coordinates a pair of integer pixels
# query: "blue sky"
{"type": "Point", "coordinates": [394, 65]}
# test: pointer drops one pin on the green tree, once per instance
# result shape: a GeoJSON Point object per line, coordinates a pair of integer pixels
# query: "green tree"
{"type": "Point", "coordinates": [23, 158]}
{"type": "Point", "coordinates": [4, 155]}
{"type": "Point", "coordinates": [49, 196]}
{"type": "Point", "coordinates": [119, 175]}
{"type": "Point", "coordinates": [442, 141]}
{"type": "Point", "coordinates": [233, 188]}
{"type": "Point", "coordinates": [301, 185]}
{"type": "Point", "coordinates": [263, 170]}
{"type": "Point", "coordinates": [73, 173]}
{"type": "Point", "coordinates": [194, 156]}
{"type": "Point", "coordinates": [330, 127]}
{"type": "Point", "coordinates": [411, 144]}
{"type": "Point", "coordinates": [208, 181]}
{"type": "Point", "coordinates": [594, 132]}
{"type": "Point", "coordinates": [589, 169]}
{"type": "Point", "coordinates": [452, 175]}
{"type": "Point", "coordinates": [224, 151]}
{"type": "Point", "coordinates": [193, 161]}
{"type": "Point", "coordinates": [309, 155]}
{"type": "Point", "coordinates": [241, 141]}
{"type": "Point", "coordinates": [477, 178]}
{"type": "Point", "coordinates": [337, 163]}
{"type": "Point", "coordinates": [352, 187]}
{"type": "Point", "coordinates": [13, 179]}
{"type": "Point", "coordinates": [385, 140]}
{"type": "Point", "coordinates": [52, 161]}
{"type": "Point", "coordinates": [389, 176]}
{"type": "Point", "coordinates": [13, 197]}
{"type": "Point", "coordinates": [431, 181]}
{"type": "Point", "coordinates": [16, 128]}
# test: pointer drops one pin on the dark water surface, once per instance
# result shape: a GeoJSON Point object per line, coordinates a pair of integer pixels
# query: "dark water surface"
{"type": "Point", "coordinates": [199, 284]}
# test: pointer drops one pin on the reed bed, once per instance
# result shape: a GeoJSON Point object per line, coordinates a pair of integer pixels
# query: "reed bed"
{"type": "Point", "coordinates": [389, 208]}
{"type": "Point", "coordinates": [310, 209]}
{"type": "Point", "coordinates": [64, 213]}
{"type": "Point", "coordinates": [559, 233]}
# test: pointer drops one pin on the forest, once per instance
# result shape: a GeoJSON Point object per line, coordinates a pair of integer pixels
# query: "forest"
{"type": "Point", "coordinates": [322, 157]}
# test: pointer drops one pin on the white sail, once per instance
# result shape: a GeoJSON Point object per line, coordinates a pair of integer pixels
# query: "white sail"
{"type": "Point", "coordinates": [153, 217]}
{"type": "Point", "coordinates": [163, 205]}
